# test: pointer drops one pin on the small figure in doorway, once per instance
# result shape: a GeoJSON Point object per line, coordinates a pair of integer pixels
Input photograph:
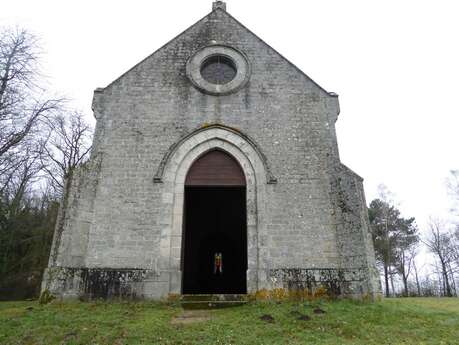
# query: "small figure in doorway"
{"type": "Point", "coordinates": [218, 263]}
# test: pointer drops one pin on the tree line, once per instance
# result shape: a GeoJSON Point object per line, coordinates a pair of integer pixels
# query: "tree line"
{"type": "Point", "coordinates": [42, 141]}
{"type": "Point", "coordinates": [398, 243]}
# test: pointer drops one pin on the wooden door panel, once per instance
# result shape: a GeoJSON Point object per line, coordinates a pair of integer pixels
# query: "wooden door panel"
{"type": "Point", "coordinates": [215, 168]}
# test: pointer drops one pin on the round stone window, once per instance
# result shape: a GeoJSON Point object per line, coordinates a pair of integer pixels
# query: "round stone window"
{"type": "Point", "coordinates": [218, 70]}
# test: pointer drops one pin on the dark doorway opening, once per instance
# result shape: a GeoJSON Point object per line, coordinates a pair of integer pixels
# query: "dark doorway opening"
{"type": "Point", "coordinates": [214, 256]}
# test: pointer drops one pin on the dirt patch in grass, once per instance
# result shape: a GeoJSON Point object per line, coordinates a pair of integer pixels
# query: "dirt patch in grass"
{"type": "Point", "coordinates": [191, 316]}
{"type": "Point", "coordinates": [70, 335]}
{"type": "Point", "coordinates": [318, 311]}
{"type": "Point", "coordinates": [267, 318]}
{"type": "Point", "coordinates": [300, 316]}
{"type": "Point", "coordinates": [304, 318]}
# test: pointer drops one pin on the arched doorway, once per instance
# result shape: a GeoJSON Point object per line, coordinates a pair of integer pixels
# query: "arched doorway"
{"type": "Point", "coordinates": [214, 250]}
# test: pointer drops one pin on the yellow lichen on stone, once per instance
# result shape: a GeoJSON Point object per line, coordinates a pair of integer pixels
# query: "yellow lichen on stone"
{"type": "Point", "coordinates": [280, 294]}
{"type": "Point", "coordinates": [173, 297]}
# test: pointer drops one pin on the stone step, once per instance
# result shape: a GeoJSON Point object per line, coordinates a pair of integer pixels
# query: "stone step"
{"type": "Point", "coordinates": [210, 304]}
{"type": "Point", "coordinates": [213, 297]}
{"type": "Point", "coordinates": [212, 301]}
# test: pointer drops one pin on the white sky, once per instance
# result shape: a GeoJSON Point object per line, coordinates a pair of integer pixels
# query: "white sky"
{"type": "Point", "coordinates": [394, 63]}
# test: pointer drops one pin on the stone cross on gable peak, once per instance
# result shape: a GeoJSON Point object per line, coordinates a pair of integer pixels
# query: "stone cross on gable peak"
{"type": "Point", "coordinates": [219, 4]}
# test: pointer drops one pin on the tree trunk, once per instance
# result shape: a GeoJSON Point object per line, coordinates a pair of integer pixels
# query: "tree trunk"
{"type": "Point", "coordinates": [386, 279]}
{"type": "Point", "coordinates": [417, 279]}
{"type": "Point", "coordinates": [446, 280]}
{"type": "Point", "coordinates": [453, 281]}
{"type": "Point", "coordinates": [392, 284]}
{"type": "Point", "coordinates": [405, 284]}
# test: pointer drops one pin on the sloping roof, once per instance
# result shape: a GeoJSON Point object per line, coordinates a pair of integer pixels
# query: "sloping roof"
{"type": "Point", "coordinates": [331, 94]}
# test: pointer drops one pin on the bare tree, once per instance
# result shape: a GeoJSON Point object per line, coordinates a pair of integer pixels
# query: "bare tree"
{"type": "Point", "coordinates": [68, 145]}
{"type": "Point", "coordinates": [413, 255]}
{"type": "Point", "coordinates": [453, 189]}
{"type": "Point", "coordinates": [33, 140]}
{"type": "Point", "coordinates": [453, 184]}
{"type": "Point", "coordinates": [22, 102]}
{"type": "Point", "coordinates": [439, 242]}
{"type": "Point", "coordinates": [404, 265]}
{"type": "Point", "coordinates": [407, 241]}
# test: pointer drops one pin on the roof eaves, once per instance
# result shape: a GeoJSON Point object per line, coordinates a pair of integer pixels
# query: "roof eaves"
{"type": "Point", "coordinates": [331, 94]}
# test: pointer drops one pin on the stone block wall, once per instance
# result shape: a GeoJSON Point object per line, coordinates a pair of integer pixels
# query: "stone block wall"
{"type": "Point", "coordinates": [119, 216]}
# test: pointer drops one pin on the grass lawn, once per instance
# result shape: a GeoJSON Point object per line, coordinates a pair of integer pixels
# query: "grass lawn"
{"type": "Point", "coordinates": [392, 321]}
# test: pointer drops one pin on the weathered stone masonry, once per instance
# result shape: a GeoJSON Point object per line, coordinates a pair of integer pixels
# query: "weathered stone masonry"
{"type": "Point", "coordinates": [119, 231]}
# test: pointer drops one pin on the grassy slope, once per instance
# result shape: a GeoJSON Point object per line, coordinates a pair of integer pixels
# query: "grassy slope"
{"type": "Point", "coordinates": [392, 321]}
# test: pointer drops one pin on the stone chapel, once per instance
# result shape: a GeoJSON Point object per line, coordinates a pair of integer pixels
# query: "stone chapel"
{"type": "Point", "coordinates": [214, 170]}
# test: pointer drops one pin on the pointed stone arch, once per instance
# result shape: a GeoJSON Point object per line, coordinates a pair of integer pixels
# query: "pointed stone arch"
{"type": "Point", "coordinates": [231, 133]}
{"type": "Point", "coordinates": [175, 170]}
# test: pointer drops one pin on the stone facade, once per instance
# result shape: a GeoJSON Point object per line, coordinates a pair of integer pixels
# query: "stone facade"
{"type": "Point", "coordinates": [119, 231]}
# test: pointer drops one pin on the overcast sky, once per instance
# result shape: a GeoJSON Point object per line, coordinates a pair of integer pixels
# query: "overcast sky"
{"type": "Point", "coordinates": [394, 63]}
